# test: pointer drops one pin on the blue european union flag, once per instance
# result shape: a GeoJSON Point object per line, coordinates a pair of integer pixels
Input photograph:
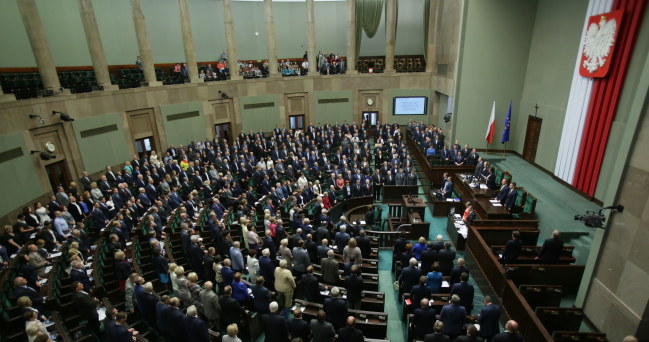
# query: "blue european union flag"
{"type": "Point", "coordinates": [508, 120]}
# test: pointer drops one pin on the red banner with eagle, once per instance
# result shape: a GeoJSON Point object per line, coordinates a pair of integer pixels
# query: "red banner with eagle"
{"type": "Point", "coordinates": [599, 44]}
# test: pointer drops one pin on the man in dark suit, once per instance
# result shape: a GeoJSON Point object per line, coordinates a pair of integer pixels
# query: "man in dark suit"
{"type": "Point", "coordinates": [551, 249]}
{"type": "Point", "coordinates": [438, 335]}
{"type": "Point", "coordinates": [457, 271]}
{"type": "Point", "coordinates": [298, 327]}
{"type": "Point", "coordinates": [512, 249]}
{"type": "Point", "coordinates": [489, 319]}
{"type": "Point", "coordinates": [354, 286]}
{"type": "Point", "coordinates": [262, 296]}
{"type": "Point", "coordinates": [85, 181]}
{"type": "Point", "coordinates": [86, 306]}
{"type": "Point", "coordinates": [350, 333]}
{"type": "Point", "coordinates": [161, 309]}
{"type": "Point", "coordinates": [77, 273]}
{"type": "Point", "coordinates": [363, 243]}
{"type": "Point", "coordinates": [446, 257]}
{"type": "Point", "coordinates": [465, 291]}
{"type": "Point", "coordinates": [335, 308]}
{"type": "Point", "coordinates": [471, 335]}
{"type": "Point", "coordinates": [231, 310]}
{"type": "Point", "coordinates": [453, 316]}
{"type": "Point", "coordinates": [175, 317]}
{"type": "Point", "coordinates": [510, 334]}
{"type": "Point", "coordinates": [118, 332]}
{"type": "Point", "coordinates": [22, 289]}
{"type": "Point", "coordinates": [310, 286]}
{"type": "Point", "coordinates": [420, 291]}
{"type": "Point", "coordinates": [428, 258]}
{"type": "Point", "coordinates": [504, 189]}
{"type": "Point", "coordinates": [321, 330]}
{"type": "Point", "coordinates": [195, 328]}
{"type": "Point", "coordinates": [510, 199]}
{"type": "Point", "coordinates": [274, 325]}
{"type": "Point", "coordinates": [423, 320]}
{"type": "Point", "coordinates": [409, 277]}
{"type": "Point", "coordinates": [447, 189]}
{"type": "Point", "coordinates": [267, 268]}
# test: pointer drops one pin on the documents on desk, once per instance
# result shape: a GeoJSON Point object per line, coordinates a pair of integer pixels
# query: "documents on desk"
{"type": "Point", "coordinates": [461, 227]}
{"type": "Point", "coordinates": [48, 269]}
{"type": "Point", "coordinates": [483, 186]}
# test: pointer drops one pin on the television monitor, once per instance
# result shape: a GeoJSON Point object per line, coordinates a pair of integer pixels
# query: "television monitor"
{"type": "Point", "coordinates": [410, 105]}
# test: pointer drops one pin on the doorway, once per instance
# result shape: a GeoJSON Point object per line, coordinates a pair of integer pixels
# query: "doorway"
{"type": "Point", "coordinates": [58, 175]}
{"type": "Point", "coordinates": [296, 121]}
{"type": "Point", "coordinates": [532, 136]}
{"type": "Point", "coordinates": [222, 131]}
{"type": "Point", "coordinates": [370, 119]}
{"type": "Point", "coordinates": [144, 145]}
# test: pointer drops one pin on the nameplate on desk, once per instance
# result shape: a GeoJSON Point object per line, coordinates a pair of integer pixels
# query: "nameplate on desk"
{"type": "Point", "coordinates": [483, 186]}
{"type": "Point", "coordinates": [373, 262]}
{"type": "Point", "coordinates": [445, 283]}
{"type": "Point", "coordinates": [497, 204]}
{"type": "Point", "coordinates": [494, 201]}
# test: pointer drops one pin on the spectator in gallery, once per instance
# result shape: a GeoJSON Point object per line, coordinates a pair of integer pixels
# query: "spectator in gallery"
{"type": "Point", "coordinates": [138, 63]}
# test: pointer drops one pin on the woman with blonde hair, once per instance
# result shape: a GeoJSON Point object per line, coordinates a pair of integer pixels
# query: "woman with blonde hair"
{"type": "Point", "coordinates": [173, 277]}
{"type": "Point", "coordinates": [183, 287]}
{"type": "Point", "coordinates": [232, 331]}
{"type": "Point", "coordinates": [123, 269]}
{"type": "Point", "coordinates": [286, 254]}
{"type": "Point", "coordinates": [352, 253]}
{"type": "Point", "coordinates": [194, 288]}
{"type": "Point", "coordinates": [95, 193]}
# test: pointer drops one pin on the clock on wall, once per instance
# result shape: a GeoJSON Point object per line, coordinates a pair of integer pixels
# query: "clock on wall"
{"type": "Point", "coordinates": [50, 147]}
{"type": "Point", "coordinates": [370, 101]}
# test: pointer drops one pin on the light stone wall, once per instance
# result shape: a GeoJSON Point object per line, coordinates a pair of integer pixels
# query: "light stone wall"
{"type": "Point", "coordinates": [618, 296]}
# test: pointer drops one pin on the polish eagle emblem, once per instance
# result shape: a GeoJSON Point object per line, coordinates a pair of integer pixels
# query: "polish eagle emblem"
{"type": "Point", "coordinates": [599, 44]}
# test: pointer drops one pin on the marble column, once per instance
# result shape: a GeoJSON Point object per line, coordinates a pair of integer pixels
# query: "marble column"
{"type": "Point", "coordinates": [351, 37]}
{"type": "Point", "coordinates": [38, 41]}
{"type": "Point", "coordinates": [94, 45]}
{"type": "Point", "coordinates": [390, 34]}
{"type": "Point", "coordinates": [143, 44]}
{"type": "Point", "coordinates": [188, 42]}
{"type": "Point", "coordinates": [272, 46]}
{"type": "Point", "coordinates": [310, 21]}
{"type": "Point", "coordinates": [230, 40]}
{"type": "Point", "coordinates": [431, 44]}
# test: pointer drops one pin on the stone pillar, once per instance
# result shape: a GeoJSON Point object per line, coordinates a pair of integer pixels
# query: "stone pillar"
{"type": "Point", "coordinates": [431, 48]}
{"type": "Point", "coordinates": [188, 42]}
{"type": "Point", "coordinates": [272, 47]}
{"type": "Point", "coordinates": [310, 21]}
{"type": "Point", "coordinates": [233, 62]}
{"type": "Point", "coordinates": [390, 35]}
{"type": "Point", "coordinates": [38, 41]}
{"type": "Point", "coordinates": [94, 45]}
{"type": "Point", "coordinates": [143, 44]}
{"type": "Point", "coordinates": [351, 37]}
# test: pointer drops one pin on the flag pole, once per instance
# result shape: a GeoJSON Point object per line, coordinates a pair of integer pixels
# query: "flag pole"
{"type": "Point", "coordinates": [505, 150]}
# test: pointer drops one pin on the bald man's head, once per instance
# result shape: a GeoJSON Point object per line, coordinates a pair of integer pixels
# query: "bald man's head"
{"type": "Point", "coordinates": [511, 326]}
{"type": "Point", "coordinates": [351, 321]}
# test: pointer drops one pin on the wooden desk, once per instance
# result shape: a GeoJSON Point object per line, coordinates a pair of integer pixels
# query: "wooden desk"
{"type": "Point", "coordinates": [465, 188]}
{"type": "Point", "coordinates": [413, 205]}
{"type": "Point", "coordinates": [486, 210]}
